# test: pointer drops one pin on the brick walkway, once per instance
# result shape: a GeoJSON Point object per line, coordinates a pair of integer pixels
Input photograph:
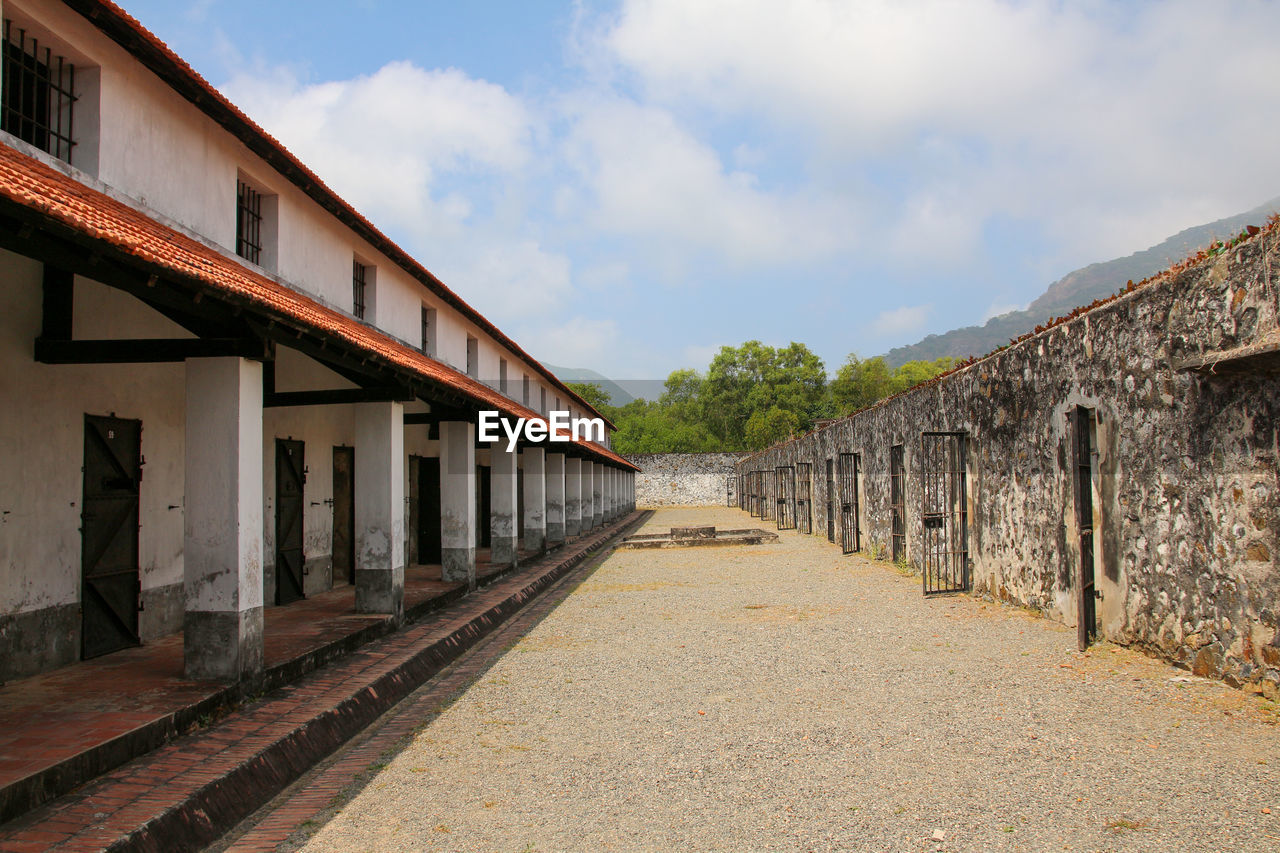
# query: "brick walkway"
{"type": "Point", "coordinates": [185, 794]}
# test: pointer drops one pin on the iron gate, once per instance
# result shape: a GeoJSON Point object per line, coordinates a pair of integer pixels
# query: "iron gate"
{"type": "Point", "coordinates": [944, 512]}
{"type": "Point", "coordinates": [785, 477]}
{"type": "Point", "coordinates": [1086, 616]}
{"type": "Point", "coordinates": [897, 503]}
{"type": "Point", "coordinates": [753, 498]}
{"type": "Point", "coordinates": [109, 578]}
{"type": "Point", "coordinates": [804, 497]}
{"type": "Point", "coordinates": [850, 538]}
{"type": "Point", "coordinates": [768, 489]}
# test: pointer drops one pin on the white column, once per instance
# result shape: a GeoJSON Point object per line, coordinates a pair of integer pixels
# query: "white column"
{"type": "Point", "coordinates": [555, 483]}
{"type": "Point", "coordinates": [379, 499]}
{"type": "Point", "coordinates": [534, 462]}
{"type": "Point", "coordinates": [597, 495]}
{"type": "Point", "coordinates": [222, 529]}
{"type": "Point", "coordinates": [457, 501]}
{"type": "Point", "coordinates": [503, 504]}
{"type": "Point", "coordinates": [572, 497]}
{"type": "Point", "coordinates": [606, 492]}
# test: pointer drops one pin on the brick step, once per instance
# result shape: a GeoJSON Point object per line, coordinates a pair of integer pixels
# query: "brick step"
{"type": "Point", "coordinates": [185, 794]}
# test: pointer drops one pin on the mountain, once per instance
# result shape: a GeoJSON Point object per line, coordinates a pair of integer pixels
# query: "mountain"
{"type": "Point", "coordinates": [1078, 288]}
{"type": "Point", "coordinates": [617, 395]}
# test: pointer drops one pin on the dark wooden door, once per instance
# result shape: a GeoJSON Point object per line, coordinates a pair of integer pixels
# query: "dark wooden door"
{"type": "Point", "coordinates": [429, 510]}
{"type": "Point", "coordinates": [897, 502]}
{"type": "Point", "coordinates": [483, 495]}
{"type": "Point", "coordinates": [520, 504]}
{"type": "Point", "coordinates": [109, 517]}
{"type": "Point", "coordinates": [831, 498]}
{"type": "Point", "coordinates": [290, 477]}
{"type": "Point", "coordinates": [1087, 612]}
{"type": "Point", "coordinates": [344, 514]}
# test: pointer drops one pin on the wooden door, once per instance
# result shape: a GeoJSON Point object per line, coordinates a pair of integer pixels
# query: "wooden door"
{"type": "Point", "coordinates": [109, 516]}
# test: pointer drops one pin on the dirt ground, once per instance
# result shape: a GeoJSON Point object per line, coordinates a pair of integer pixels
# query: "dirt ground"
{"type": "Point", "coordinates": [786, 697]}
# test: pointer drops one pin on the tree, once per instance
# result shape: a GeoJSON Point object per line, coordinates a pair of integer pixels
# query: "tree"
{"type": "Point", "coordinates": [596, 396]}
{"type": "Point", "coordinates": [753, 379]}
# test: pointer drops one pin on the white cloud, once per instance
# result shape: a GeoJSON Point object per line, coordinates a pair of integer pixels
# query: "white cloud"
{"type": "Point", "coordinates": [383, 140]}
{"type": "Point", "coordinates": [900, 322]}
{"type": "Point", "coordinates": [577, 342]}
{"type": "Point", "coordinates": [646, 176]}
{"type": "Point", "coordinates": [434, 155]}
{"type": "Point", "coordinates": [1115, 124]}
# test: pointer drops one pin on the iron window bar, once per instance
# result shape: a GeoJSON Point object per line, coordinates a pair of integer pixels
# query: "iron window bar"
{"type": "Point", "coordinates": [248, 222]}
{"type": "Point", "coordinates": [358, 284]}
{"type": "Point", "coordinates": [38, 94]}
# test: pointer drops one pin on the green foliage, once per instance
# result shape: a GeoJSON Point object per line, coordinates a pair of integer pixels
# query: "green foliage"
{"type": "Point", "coordinates": [861, 382]}
{"type": "Point", "coordinates": [593, 394]}
{"type": "Point", "coordinates": [751, 397]}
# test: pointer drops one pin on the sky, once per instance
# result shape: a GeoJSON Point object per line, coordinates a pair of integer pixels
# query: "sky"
{"type": "Point", "coordinates": [627, 186]}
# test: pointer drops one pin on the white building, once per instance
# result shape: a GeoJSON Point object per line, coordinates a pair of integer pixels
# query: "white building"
{"type": "Point", "coordinates": [223, 388]}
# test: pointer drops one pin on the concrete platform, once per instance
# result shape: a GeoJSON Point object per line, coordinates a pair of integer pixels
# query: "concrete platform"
{"type": "Point", "coordinates": [699, 537]}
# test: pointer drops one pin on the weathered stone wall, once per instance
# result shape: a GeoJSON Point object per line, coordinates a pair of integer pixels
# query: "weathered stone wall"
{"type": "Point", "coordinates": [1185, 467]}
{"type": "Point", "coordinates": [683, 479]}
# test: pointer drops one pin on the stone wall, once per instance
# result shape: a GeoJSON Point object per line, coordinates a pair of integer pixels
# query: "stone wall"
{"type": "Point", "coordinates": [683, 479]}
{"type": "Point", "coordinates": [1182, 457]}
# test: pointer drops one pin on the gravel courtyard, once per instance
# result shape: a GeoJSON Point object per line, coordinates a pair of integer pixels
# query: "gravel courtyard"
{"type": "Point", "coordinates": [786, 697]}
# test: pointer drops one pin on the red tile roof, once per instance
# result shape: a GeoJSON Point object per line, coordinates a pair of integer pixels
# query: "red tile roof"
{"type": "Point", "coordinates": [125, 30]}
{"type": "Point", "coordinates": [33, 185]}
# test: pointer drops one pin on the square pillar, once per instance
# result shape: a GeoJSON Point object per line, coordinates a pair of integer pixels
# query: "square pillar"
{"type": "Point", "coordinates": [222, 551]}
{"type": "Point", "coordinates": [379, 505]}
{"type": "Point", "coordinates": [606, 494]}
{"type": "Point", "coordinates": [534, 462]}
{"type": "Point", "coordinates": [458, 502]}
{"type": "Point", "coordinates": [597, 494]}
{"type": "Point", "coordinates": [572, 497]}
{"type": "Point", "coordinates": [612, 483]}
{"type": "Point", "coordinates": [503, 504]}
{"type": "Point", "coordinates": [555, 482]}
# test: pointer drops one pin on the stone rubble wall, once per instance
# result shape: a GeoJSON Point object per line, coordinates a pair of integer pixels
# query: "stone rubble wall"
{"type": "Point", "coordinates": [1186, 494]}
{"type": "Point", "coordinates": [683, 479]}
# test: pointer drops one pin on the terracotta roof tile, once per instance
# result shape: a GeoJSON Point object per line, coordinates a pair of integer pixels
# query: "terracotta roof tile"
{"type": "Point", "coordinates": [36, 186]}
{"type": "Point", "coordinates": [127, 31]}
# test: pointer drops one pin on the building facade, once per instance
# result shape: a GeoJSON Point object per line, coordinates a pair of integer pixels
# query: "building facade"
{"type": "Point", "coordinates": [1116, 470]}
{"type": "Point", "coordinates": [223, 388]}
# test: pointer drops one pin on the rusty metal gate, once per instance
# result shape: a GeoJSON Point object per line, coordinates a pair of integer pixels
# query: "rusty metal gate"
{"type": "Point", "coordinates": [785, 477]}
{"type": "Point", "coordinates": [1087, 613]}
{"type": "Point", "coordinates": [804, 497]}
{"type": "Point", "coordinates": [768, 489]}
{"type": "Point", "coordinates": [944, 512]}
{"type": "Point", "coordinates": [109, 577]}
{"type": "Point", "coordinates": [850, 535]}
{"type": "Point", "coordinates": [753, 494]}
{"type": "Point", "coordinates": [897, 504]}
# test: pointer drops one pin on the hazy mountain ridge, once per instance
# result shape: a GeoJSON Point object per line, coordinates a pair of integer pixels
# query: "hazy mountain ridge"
{"type": "Point", "coordinates": [1078, 288]}
{"type": "Point", "coordinates": [618, 395]}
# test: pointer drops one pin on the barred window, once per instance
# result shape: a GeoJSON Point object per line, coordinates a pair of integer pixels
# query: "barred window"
{"type": "Point", "coordinates": [248, 222]}
{"type": "Point", "coordinates": [359, 284]}
{"type": "Point", "coordinates": [38, 93]}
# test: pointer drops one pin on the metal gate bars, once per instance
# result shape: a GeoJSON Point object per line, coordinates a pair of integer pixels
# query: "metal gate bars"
{"type": "Point", "coordinates": [804, 497]}
{"type": "Point", "coordinates": [849, 533]}
{"type": "Point", "coordinates": [785, 476]}
{"type": "Point", "coordinates": [944, 512]}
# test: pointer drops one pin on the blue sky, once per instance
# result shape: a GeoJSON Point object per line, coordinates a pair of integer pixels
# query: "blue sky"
{"type": "Point", "coordinates": [629, 185]}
